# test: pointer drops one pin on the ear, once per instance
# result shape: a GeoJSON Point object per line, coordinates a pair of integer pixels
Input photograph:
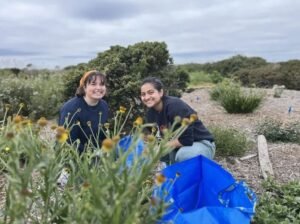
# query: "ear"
{"type": "Point", "coordinates": [161, 93]}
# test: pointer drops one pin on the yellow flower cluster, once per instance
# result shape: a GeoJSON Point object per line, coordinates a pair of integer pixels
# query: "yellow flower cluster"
{"type": "Point", "coordinates": [122, 109]}
{"type": "Point", "coordinates": [62, 134]}
{"type": "Point", "coordinates": [107, 145]}
{"type": "Point", "coordinates": [187, 121]}
{"type": "Point", "coordinates": [160, 179]}
{"type": "Point", "coordinates": [18, 119]}
{"type": "Point", "coordinates": [42, 122]}
{"type": "Point", "coordinates": [138, 122]}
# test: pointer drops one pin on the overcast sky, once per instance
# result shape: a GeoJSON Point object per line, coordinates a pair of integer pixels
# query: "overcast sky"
{"type": "Point", "coordinates": [67, 32]}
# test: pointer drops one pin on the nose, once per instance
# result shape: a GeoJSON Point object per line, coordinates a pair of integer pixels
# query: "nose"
{"type": "Point", "coordinates": [145, 97]}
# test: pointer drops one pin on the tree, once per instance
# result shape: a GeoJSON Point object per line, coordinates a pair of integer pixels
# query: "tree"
{"type": "Point", "coordinates": [125, 67]}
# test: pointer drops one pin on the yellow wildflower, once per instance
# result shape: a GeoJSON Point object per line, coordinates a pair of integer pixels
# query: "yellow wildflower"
{"type": "Point", "coordinates": [159, 179]}
{"type": "Point", "coordinates": [60, 129]}
{"type": "Point", "coordinates": [17, 119]}
{"type": "Point", "coordinates": [107, 145]}
{"type": "Point", "coordinates": [122, 109]}
{"type": "Point", "coordinates": [62, 137]}
{"type": "Point", "coordinates": [53, 127]}
{"type": "Point", "coordinates": [7, 149]}
{"type": "Point", "coordinates": [138, 121]}
{"type": "Point", "coordinates": [150, 138]}
{"type": "Point", "coordinates": [193, 117]}
{"type": "Point", "coordinates": [185, 122]}
{"type": "Point", "coordinates": [42, 122]}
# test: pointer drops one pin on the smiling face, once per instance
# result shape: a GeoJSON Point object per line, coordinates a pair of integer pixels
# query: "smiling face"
{"type": "Point", "coordinates": [94, 90]}
{"type": "Point", "coordinates": [151, 97]}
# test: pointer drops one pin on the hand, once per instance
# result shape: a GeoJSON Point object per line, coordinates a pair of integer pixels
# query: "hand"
{"type": "Point", "coordinates": [174, 144]}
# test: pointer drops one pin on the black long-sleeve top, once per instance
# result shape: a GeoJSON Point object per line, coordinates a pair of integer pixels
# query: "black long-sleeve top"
{"type": "Point", "coordinates": [77, 111]}
{"type": "Point", "coordinates": [172, 107]}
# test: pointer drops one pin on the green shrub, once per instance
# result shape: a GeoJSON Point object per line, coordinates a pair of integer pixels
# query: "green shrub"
{"type": "Point", "coordinates": [198, 78]}
{"type": "Point", "coordinates": [223, 87]}
{"type": "Point", "coordinates": [101, 188]}
{"type": "Point", "coordinates": [234, 99]}
{"type": "Point", "coordinates": [125, 67]}
{"type": "Point", "coordinates": [216, 77]}
{"type": "Point", "coordinates": [230, 142]}
{"type": "Point", "coordinates": [40, 95]}
{"type": "Point", "coordinates": [280, 203]}
{"type": "Point", "coordinates": [275, 130]}
{"type": "Point", "coordinates": [14, 92]}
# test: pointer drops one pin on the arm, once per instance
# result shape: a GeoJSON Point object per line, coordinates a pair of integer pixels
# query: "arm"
{"type": "Point", "coordinates": [181, 109]}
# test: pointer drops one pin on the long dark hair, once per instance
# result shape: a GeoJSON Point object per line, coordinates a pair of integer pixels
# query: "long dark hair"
{"type": "Point", "coordinates": [87, 78]}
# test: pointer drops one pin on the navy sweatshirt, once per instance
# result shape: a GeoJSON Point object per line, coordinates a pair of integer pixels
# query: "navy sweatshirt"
{"type": "Point", "coordinates": [77, 110]}
{"type": "Point", "coordinates": [172, 107]}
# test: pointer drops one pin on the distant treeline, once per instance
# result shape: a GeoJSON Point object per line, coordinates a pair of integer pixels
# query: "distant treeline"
{"type": "Point", "coordinates": [253, 71]}
{"type": "Point", "coordinates": [249, 70]}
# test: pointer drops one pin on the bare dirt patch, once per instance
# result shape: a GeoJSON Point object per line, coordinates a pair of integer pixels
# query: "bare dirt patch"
{"type": "Point", "coordinates": [285, 157]}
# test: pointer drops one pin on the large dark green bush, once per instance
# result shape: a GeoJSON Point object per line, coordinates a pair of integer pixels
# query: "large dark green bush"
{"type": "Point", "coordinates": [229, 141]}
{"type": "Point", "coordinates": [125, 67]}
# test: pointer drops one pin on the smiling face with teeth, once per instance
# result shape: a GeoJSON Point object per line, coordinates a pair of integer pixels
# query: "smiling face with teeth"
{"type": "Point", "coordinates": [92, 87]}
{"type": "Point", "coordinates": [94, 91]}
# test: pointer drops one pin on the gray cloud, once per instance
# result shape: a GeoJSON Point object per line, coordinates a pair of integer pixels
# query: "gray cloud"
{"type": "Point", "coordinates": [50, 33]}
{"type": "Point", "coordinates": [101, 10]}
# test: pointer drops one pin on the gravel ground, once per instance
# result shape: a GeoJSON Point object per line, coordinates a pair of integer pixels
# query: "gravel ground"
{"type": "Point", "coordinates": [285, 157]}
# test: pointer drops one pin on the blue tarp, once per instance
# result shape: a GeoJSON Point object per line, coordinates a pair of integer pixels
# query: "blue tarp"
{"type": "Point", "coordinates": [199, 190]}
{"type": "Point", "coordinates": [124, 145]}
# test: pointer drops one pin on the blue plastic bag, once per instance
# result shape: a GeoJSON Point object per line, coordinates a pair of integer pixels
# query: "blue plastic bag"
{"type": "Point", "coordinates": [199, 190]}
{"type": "Point", "coordinates": [124, 145]}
